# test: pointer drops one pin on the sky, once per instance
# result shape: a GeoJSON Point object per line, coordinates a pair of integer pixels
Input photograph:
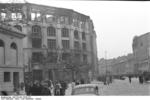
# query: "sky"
{"type": "Point", "coordinates": [115, 22]}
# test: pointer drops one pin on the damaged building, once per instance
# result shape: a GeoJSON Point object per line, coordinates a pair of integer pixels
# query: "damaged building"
{"type": "Point", "coordinates": [60, 44]}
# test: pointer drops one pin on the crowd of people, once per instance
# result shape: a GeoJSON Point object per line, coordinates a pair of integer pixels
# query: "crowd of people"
{"type": "Point", "coordinates": [49, 88]}
{"type": "Point", "coordinates": [43, 88]}
{"type": "Point", "coordinates": [46, 88]}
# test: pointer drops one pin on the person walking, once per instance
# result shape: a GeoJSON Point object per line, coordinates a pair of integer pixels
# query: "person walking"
{"type": "Point", "coordinates": [28, 88]}
{"type": "Point", "coordinates": [82, 81]}
{"type": "Point", "coordinates": [22, 89]}
{"type": "Point", "coordinates": [63, 88]}
{"type": "Point", "coordinates": [107, 80]}
{"type": "Point", "coordinates": [51, 87]}
{"type": "Point", "coordinates": [36, 89]}
{"type": "Point", "coordinates": [129, 79]}
{"type": "Point", "coordinates": [45, 90]}
{"type": "Point", "coordinates": [141, 80]}
{"type": "Point", "coordinates": [57, 88]}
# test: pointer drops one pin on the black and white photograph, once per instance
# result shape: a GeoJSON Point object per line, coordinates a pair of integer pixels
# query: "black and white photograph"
{"type": "Point", "coordinates": [74, 48]}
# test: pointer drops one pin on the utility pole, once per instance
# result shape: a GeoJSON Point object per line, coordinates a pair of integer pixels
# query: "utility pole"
{"type": "Point", "coordinates": [106, 61]}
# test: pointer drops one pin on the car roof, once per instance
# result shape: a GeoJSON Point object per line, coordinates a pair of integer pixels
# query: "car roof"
{"type": "Point", "coordinates": [85, 85]}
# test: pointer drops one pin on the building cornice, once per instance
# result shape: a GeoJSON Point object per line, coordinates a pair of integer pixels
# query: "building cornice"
{"type": "Point", "coordinates": [9, 30]}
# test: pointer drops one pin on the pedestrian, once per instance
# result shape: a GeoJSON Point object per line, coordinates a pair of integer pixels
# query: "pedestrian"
{"type": "Point", "coordinates": [57, 88]}
{"type": "Point", "coordinates": [73, 84]}
{"type": "Point", "coordinates": [45, 90]}
{"type": "Point", "coordinates": [36, 88]}
{"type": "Point", "coordinates": [129, 79]}
{"type": "Point", "coordinates": [63, 88]}
{"type": "Point", "coordinates": [110, 79]}
{"type": "Point", "coordinates": [22, 89]}
{"type": "Point", "coordinates": [28, 88]}
{"type": "Point", "coordinates": [141, 79]}
{"type": "Point", "coordinates": [107, 80]}
{"type": "Point", "coordinates": [82, 81]}
{"type": "Point", "coordinates": [16, 91]}
{"type": "Point", "coordinates": [77, 82]}
{"type": "Point", "coordinates": [96, 88]}
{"type": "Point", "coordinates": [51, 87]}
{"type": "Point", "coordinates": [4, 93]}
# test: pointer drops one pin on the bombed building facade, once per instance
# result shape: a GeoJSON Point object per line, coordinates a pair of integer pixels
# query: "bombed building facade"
{"type": "Point", "coordinates": [60, 44]}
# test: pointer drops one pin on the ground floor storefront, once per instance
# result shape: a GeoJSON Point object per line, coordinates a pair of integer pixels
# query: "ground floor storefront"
{"type": "Point", "coordinates": [57, 73]}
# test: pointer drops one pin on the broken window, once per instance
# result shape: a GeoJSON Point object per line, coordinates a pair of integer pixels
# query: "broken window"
{"type": "Point", "coordinates": [3, 16]}
{"type": "Point", "coordinates": [13, 16]}
{"type": "Point", "coordinates": [33, 16]}
{"type": "Point", "coordinates": [19, 16]}
{"type": "Point", "coordinates": [16, 16]}
{"type": "Point", "coordinates": [49, 18]}
{"type": "Point", "coordinates": [36, 16]}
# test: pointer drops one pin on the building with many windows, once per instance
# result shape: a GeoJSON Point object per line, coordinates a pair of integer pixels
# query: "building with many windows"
{"type": "Point", "coordinates": [11, 58]}
{"type": "Point", "coordinates": [123, 65]}
{"type": "Point", "coordinates": [60, 43]}
{"type": "Point", "coordinates": [141, 51]}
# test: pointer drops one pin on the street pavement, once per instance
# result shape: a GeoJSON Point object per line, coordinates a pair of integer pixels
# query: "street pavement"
{"type": "Point", "coordinates": [123, 87]}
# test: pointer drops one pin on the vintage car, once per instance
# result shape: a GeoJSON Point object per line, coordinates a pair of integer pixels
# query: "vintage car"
{"type": "Point", "coordinates": [85, 89]}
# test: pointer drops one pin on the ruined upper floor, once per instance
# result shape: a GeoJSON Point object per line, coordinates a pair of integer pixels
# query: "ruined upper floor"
{"type": "Point", "coordinates": [27, 12]}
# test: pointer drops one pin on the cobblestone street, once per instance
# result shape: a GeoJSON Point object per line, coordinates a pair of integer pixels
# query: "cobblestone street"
{"type": "Point", "coordinates": [123, 87]}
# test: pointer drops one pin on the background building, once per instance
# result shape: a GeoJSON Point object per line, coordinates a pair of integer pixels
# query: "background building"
{"type": "Point", "coordinates": [141, 51]}
{"type": "Point", "coordinates": [105, 66]}
{"type": "Point", "coordinates": [123, 65]}
{"type": "Point", "coordinates": [60, 43]}
{"type": "Point", "coordinates": [11, 58]}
